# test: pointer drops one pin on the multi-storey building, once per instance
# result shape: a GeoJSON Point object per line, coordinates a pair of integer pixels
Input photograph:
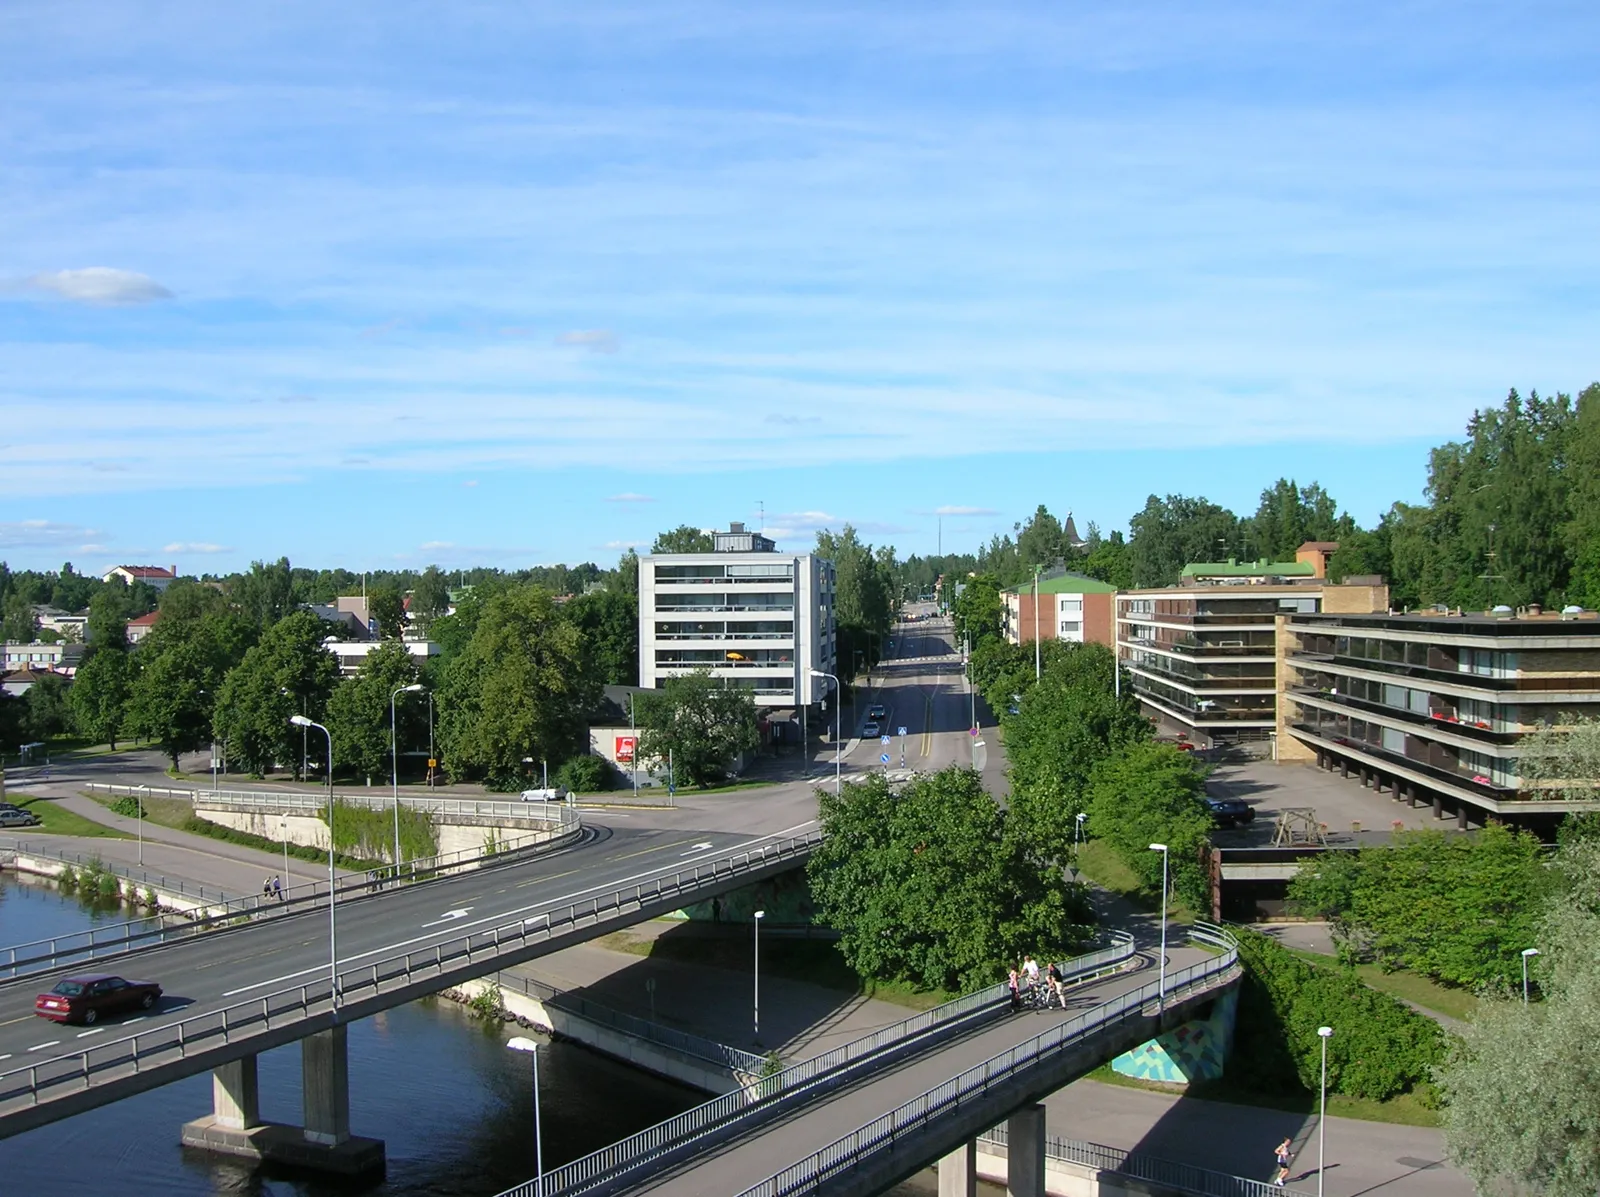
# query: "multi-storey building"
{"type": "Point", "coordinates": [1434, 705]}
{"type": "Point", "coordinates": [1071, 607]}
{"type": "Point", "coordinates": [1202, 656]}
{"type": "Point", "coordinates": [744, 611]}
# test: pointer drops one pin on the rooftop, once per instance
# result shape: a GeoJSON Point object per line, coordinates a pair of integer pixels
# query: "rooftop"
{"type": "Point", "coordinates": [1232, 568]}
{"type": "Point", "coordinates": [1066, 584]}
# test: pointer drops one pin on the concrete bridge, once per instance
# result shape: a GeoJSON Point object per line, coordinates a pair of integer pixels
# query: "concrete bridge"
{"type": "Point", "coordinates": [232, 994]}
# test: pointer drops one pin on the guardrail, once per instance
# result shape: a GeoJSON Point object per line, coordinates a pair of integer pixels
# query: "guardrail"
{"type": "Point", "coordinates": [698, 1046]}
{"type": "Point", "coordinates": [846, 1153]}
{"type": "Point", "coordinates": [188, 889]}
{"type": "Point", "coordinates": [628, 1154]}
{"type": "Point", "coordinates": [312, 803]}
{"type": "Point", "coordinates": [1169, 1174]}
{"type": "Point", "coordinates": [43, 955]}
{"type": "Point", "coordinates": [201, 1032]}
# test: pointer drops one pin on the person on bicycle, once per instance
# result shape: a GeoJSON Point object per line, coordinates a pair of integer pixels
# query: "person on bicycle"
{"type": "Point", "coordinates": [1030, 972]}
{"type": "Point", "coordinates": [1057, 984]}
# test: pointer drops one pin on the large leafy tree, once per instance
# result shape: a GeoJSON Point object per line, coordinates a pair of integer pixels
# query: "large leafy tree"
{"type": "Point", "coordinates": [387, 608]}
{"type": "Point", "coordinates": [976, 613]}
{"type": "Point", "coordinates": [698, 723]}
{"type": "Point", "coordinates": [289, 672]}
{"type": "Point", "coordinates": [266, 593]}
{"type": "Point", "coordinates": [682, 539]}
{"type": "Point", "coordinates": [430, 598]}
{"type": "Point", "coordinates": [1288, 516]}
{"type": "Point", "coordinates": [864, 593]}
{"type": "Point", "coordinates": [1581, 532]}
{"type": "Point", "coordinates": [1109, 560]}
{"type": "Point", "coordinates": [170, 702]}
{"type": "Point", "coordinates": [1176, 531]}
{"type": "Point", "coordinates": [17, 620]}
{"type": "Point", "coordinates": [358, 711]}
{"type": "Point", "coordinates": [518, 690]}
{"type": "Point", "coordinates": [609, 620]}
{"type": "Point", "coordinates": [1147, 793]}
{"type": "Point", "coordinates": [49, 713]}
{"type": "Point", "coordinates": [931, 884]}
{"type": "Point", "coordinates": [100, 692]}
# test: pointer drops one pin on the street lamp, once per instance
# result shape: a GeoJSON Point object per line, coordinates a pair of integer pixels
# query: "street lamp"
{"type": "Point", "coordinates": [1322, 1118]}
{"type": "Point", "coordinates": [760, 914]}
{"type": "Point", "coordinates": [521, 1044]}
{"type": "Point", "coordinates": [333, 891]}
{"type": "Point", "coordinates": [838, 743]}
{"type": "Point", "coordinates": [139, 812]}
{"type": "Point", "coordinates": [1036, 651]}
{"type": "Point", "coordinates": [283, 834]}
{"type": "Point", "coordinates": [1526, 952]}
{"type": "Point", "coordinates": [394, 766]}
{"type": "Point", "coordinates": [1161, 985]}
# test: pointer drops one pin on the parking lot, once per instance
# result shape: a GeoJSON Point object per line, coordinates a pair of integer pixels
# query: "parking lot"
{"type": "Point", "coordinates": [1341, 803]}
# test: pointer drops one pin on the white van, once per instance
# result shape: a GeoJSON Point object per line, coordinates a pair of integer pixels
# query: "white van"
{"type": "Point", "coordinates": [553, 794]}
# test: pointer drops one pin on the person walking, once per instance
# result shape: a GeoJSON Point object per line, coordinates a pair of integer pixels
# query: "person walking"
{"type": "Point", "coordinates": [1057, 986]}
{"type": "Point", "coordinates": [1284, 1155]}
{"type": "Point", "coordinates": [277, 887]}
{"type": "Point", "coordinates": [1014, 983]}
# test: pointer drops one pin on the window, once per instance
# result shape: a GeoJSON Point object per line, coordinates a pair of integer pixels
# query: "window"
{"type": "Point", "coordinates": [1071, 606]}
{"type": "Point", "coordinates": [1071, 627]}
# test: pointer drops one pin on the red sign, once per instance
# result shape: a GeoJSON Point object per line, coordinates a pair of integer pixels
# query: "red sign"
{"type": "Point", "coordinates": [625, 747]}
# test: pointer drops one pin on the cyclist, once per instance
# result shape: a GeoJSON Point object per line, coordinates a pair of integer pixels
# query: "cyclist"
{"type": "Point", "coordinates": [1057, 984]}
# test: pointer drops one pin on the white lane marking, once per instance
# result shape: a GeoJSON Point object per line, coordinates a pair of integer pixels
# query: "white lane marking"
{"type": "Point", "coordinates": [508, 915]}
{"type": "Point", "coordinates": [130, 1021]}
{"type": "Point", "coordinates": [39, 1047]}
{"type": "Point", "coordinates": [449, 916]}
{"type": "Point", "coordinates": [7, 1056]}
{"type": "Point", "coordinates": [86, 1034]}
{"type": "Point", "coordinates": [696, 848]}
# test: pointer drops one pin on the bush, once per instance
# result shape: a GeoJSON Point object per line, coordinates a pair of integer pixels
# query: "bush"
{"type": "Point", "coordinates": [368, 833]}
{"type": "Point", "coordinates": [585, 774]}
{"type": "Point", "coordinates": [128, 805]}
{"type": "Point", "coordinates": [489, 1004]}
{"type": "Point", "coordinates": [195, 825]}
{"type": "Point", "coordinates": [1380, 1048]}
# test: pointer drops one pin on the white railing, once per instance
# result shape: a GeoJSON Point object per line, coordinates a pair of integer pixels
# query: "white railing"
{"type": "Point", "coordinates": [315, 802]}
{"type": "Point", "coordinates": [847, 1153]}
{"type": "Point", "coordinates": [1168, 1174]}
{"type": "Point", "coordinates": [25, 1085]}
{"type": "Point", "coordinates": [644, 1148]}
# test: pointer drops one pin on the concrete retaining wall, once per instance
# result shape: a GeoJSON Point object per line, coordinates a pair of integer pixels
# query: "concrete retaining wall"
{"type": "Point", "coordinates": [310, 831]}
{"type": "Point", "coordinates": [166, 899]}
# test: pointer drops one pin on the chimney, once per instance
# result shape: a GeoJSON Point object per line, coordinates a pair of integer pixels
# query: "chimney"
{"type": "Point", "coordinates": [1535, 609]}
{"type": "Point", "coordinates": [174, 569]}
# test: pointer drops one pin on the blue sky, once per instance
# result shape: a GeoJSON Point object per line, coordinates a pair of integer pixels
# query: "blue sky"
{"type": "Point", "coordinates": [383, 284]}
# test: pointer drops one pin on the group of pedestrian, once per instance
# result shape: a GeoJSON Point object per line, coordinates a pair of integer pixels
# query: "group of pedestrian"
{"type": "Point", "coordinates": [1024, 981]}
{"type": "Point", "coordinates": [272, 887]}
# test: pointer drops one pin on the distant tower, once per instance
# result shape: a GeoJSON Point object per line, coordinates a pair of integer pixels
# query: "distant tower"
{"type": "Point", "coordinates": [1069, 533]}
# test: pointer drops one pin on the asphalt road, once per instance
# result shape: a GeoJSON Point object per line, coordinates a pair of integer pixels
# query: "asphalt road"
{"type": "Point", "coordinates": [228, 967]}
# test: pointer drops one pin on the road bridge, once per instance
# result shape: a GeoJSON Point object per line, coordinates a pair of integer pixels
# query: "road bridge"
{"type": "Point", "coordinates": [234, 993]}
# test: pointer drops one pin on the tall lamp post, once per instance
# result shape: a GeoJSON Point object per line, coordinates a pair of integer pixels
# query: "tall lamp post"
{"type": "Point", "coordinates": [838, 744]}
{"type": "Point", "coordinates": [1161, 984]}
{"type": "Point", "coordinates": [139, 803]}
{"type": "Point", "coordinates": [756, 972]}
{"type": "Point", "coordinates": [333, 885]}
{"type": "Point", "coordinates": [283, 834]}
{"type": "Point", "coordinates": [1322, 1117]}
{"type": "Point", "coordinates": [521, 1044]}
{"type": "Point", "coordinates": [394, 765]}
{"type": "Point", "coordinates": [1036, 650]}
{"type": "Point", "coordinates": [1526, 952]}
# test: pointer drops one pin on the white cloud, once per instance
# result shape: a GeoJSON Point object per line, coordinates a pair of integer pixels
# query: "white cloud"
{"type": "Point", "coordinates": [102, 286]}
{"type": "Point", "coordinates": [192, 546]}
{"type": "Point", "coordinates": [45, 534]}
{"type": "Point", "coordinates": [595, 340]}
{"type": "Point", "coordinates": [622, 546]}
{"type": "Point", "coordinates": [629, 497]}
{"type": "Point", "coordinates": [470, 483]}
{"type": "Point", "coordinates": [965, 511]}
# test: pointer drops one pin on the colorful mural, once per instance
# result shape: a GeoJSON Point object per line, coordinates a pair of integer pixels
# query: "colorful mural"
{"type": "Point", "coordinates": [1194, 1051]}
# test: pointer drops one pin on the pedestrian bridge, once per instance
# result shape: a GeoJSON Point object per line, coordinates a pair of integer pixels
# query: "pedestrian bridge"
{"type": "Point", "coordinates": [862, 1118]}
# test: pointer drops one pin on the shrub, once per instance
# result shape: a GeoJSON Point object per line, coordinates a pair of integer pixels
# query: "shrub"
{"type": "Point", "coordinates": [67, 878]}
{"type": "Point", "coordinates": [195, 825]}
{"type": "Point", "coordinates": [489, 1004]}
{"type": "Point", "coordinates": [585, 774]}
{"type": "Point", "coordinates": [129, 806]}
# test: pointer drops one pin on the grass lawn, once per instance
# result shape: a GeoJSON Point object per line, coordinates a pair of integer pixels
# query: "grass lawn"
{"type": "Point", "coordinates": [815, 961]}
{"type": "Point", "coordinates": [1099, 864]}
{"type": "Point", "coordinates": [1409, 987]}
{"type": "Point", "coordinates": [55, 818]}
{"type": "Point", "coordinates": [1405, 1110]}
{"type": "Point", "coordinates": [168, 812]}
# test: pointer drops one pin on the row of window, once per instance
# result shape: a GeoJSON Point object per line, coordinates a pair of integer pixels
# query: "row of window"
{"type": "Point", "coordinates": [1480, 662]}
{"type": "Point", "coordinates": [754, 629]}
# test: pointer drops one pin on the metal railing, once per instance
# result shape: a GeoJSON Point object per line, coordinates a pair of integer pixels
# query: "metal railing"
{"type": "Point", "coordinates": [201, 1032]}
{"type": "Point", "coordinates": [630, 1153]}
{"type": "Point", "coordinates": [1168, 1174]}
{"type": "Point", "coordinates": [316, 802]}
{"type": "Point", "coordinates": [846, 1153]}
{"type": "Point", "coordinates": [178, 885]}
{"type": "Point", "coordinates": [697, 1046]}
{"type": "Point", "coordinates": [42, 955]}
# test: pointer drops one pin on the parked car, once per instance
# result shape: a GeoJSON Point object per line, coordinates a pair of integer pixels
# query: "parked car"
{"type": "Point", "coordinates": [876, 713]}
{"type": "Point", "coordinates": [13, 817]}
{"type": "Point", "coordinates": [870, 731]}
{"type": "Point", "coordinates": [1230, 812]}
{"type": "Point", "coordinates": [87, 998]}
{"type": "Point", "coordinates": [549, 794]}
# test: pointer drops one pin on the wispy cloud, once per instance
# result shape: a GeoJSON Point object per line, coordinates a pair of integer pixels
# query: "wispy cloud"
{"type": "Point", "coordinates": [622, 546]}
{"type": "Point", "coordinates": [965, 511]}
{"type": "Point", "coordinates": [198, 547]}
{"type": "Point", "coordinates": [629, 497]}
{"type": "Point", "coordinates": [595, 340]}
{"type": "Point", "coordinates": [45, 534]}
{"type": "Point", "coordinates": [100, 286]}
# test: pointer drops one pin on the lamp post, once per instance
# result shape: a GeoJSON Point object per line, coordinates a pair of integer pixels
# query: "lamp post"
{"type": "Point", "coordinates": [1322, 1116]}
{"type": "Point", "coordinates": [1161, 984]}
{"type": "Point", "coordinates": [521, 1044]}
{"type": "Point", "coordinates": [756, 972]}
{"type": "Point", "coordinates": [1036, 650]}
{"type": "Point", "coordinates": [283, 835]}
{"type": "Point", "coordinates": [394, 766]}
{"type": "Point", "coordinates": [333, 885]}
{"type": "Point", "coordinates": [838, 744]}
{"type": "Point", "coordinates": [1526, 952]}
{"type": "Point", "coordinates": [139, 804]}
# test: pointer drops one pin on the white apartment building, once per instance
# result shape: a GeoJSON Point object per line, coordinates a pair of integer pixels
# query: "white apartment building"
{"type": "Point", "coordinates": [744, 611]}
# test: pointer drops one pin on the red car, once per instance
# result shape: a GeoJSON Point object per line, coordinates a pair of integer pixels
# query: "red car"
{"type": "Point", "coordinates": [84, 999]}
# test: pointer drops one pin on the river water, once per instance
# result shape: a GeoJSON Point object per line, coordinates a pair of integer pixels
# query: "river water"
{"type": "Point", "coordinates": [451, 1103]}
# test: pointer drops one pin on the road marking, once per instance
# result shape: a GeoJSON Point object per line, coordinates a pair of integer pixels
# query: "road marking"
{"type": "Point", "coordinates": [696, 848]}
{"type": "Point", "coordinates": [662, 848]}
{"type": "Point", "coordinates": [509, 915]}
{"type": "Point", "coordinates": [86, 1034]}
{"type": "Point", "coordinates": [39, 1047]}
{"type": "Point", "coordinates": [130, 1021]}
{"type": "Point", "coordinates": [450, 916]}
{"type": "Point", "coordinates": [24, 1018]}
{"type": "Point", "coordinates": [7, 1056]}
{"type": "Point", "coordinates": [540, 880]}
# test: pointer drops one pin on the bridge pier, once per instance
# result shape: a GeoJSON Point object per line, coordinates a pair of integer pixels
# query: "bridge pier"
{"type": "Point", "coordinates": [324, 1144]}
{"type": "Point", "coordinates": [1025, 1152]}
{"type": "Point", "coordinates": [958, 1171]}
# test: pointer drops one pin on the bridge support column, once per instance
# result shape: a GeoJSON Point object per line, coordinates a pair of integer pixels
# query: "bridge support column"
{"type": "Point", "coordinates": [958, 1171]}
{"type": "Point", "coordinates": [1025, 1153]}
{"type": "Point", "coordinates": [325, 1085]}
{"type": "Point", "coordinates": [235, 1096]}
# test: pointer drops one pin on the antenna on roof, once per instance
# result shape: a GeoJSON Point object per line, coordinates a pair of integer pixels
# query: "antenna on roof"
{"type": "Point", "coordinates": [762, 504]}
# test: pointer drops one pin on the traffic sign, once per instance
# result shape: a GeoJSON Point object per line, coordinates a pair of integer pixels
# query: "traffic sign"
{"type": "Point", "coordinates": [883, 739]}
{"type": "Point", "coordinates": [884, 757]}
{"type": "Point", "coordinates": [973, 732]}
{"type": "Point", "coordinates": [902, 731]}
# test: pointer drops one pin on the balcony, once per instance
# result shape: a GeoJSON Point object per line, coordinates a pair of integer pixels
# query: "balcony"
{"type": "Point", "coordinates": [1398, 669]}
{"type": "Point", "coordinates": [1200, 650]}
{"type": "Point", "coordinates": [1479, 732]}
{"type": "Point", "coordinates": [1473, 784]}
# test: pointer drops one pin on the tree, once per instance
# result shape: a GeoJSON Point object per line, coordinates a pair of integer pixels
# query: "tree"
{"type": "Point", "coordinates": [864, 595]}
{"type": "Point", "coordinates": [1177, 531]}
{"type": "Point", "coordinates": [1522, 1085]}
{"type": "Point", "coordinates": [387, 608]}
{"type": "Point", "coordinates": [170, 702]}
{"type": "Point", "coordinates": [100, 692]}
{"type": "Point", "coordinates": [108, 619]}
{"type": "Point", "coordinates": [49, 714]}
{"type": "Point", "coordinates": [289, 672]}
{"type": "Point", "coordinates": [430, 598]}
{"type": "Point", "coordinates": [976, 613]}
{"type": "Point", "coordinates": [1111, 562]}
{"type": "Point", "coordinates": [20, 624]}
{"type": "Point", "coordinates": [1563, 762]}
{"type": "Point", "coordinates": [1288, 516]}
{"type": "Point", "coordinates": [930, 885]}
{"type": "Point", "coordinates": [1581, 532]}
{"type": "Point", "coordinates": [703, 724]}
{"type": "Point", "coordinates": [358, 711]}
{"type": "Point", "coordinates": [683, 539]}
{"type": "Point", "coordinates": [1147, 793]}
{"type": "Point", "coordinates": [609, 621]}
{"type": "Point", "coordinates": [265, 594]}
{"type": "Point", "coordinates": [518, 690]}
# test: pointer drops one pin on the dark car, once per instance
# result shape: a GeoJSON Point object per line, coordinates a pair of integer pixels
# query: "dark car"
{"type": "Point", "coordinates": [1230, 812]}
{"type": "Point", "coordinates": [85, 999]}
{"type": "Point", "coordinates": [876, 713]}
